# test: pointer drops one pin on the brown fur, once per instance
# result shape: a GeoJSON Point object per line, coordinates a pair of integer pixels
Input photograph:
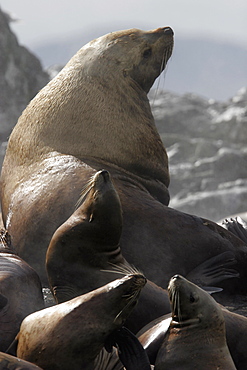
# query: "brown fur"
{"type": "Point", "coordinates": [98, 96]}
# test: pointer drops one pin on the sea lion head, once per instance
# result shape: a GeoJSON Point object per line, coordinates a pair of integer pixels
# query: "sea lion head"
{"type": "Point", "coordinates": [122, 296]}
{"type": "Point", "coordinates": [139, 55]}
{"type": "Point", "coordinates": [192, 305]}
{"type": "Point", "coordinates": [88, 242]}
{"type": "Point", "coordinates": [100, 204]}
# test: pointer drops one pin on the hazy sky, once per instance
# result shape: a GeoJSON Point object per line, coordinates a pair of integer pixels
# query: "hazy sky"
{"type": "Point", "coordinates": [49, 19]}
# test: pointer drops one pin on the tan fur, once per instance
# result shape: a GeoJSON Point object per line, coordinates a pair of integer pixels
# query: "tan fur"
{"type": "Point", "coordinates": [99, 110]}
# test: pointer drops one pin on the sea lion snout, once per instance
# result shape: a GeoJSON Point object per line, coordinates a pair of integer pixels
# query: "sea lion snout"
{"type": "Point", "coordinates": [105, 174]}
{"type": "Point", "coordinates": [168, 31]}
{"type": "Point", "coordinates": [139, 280]}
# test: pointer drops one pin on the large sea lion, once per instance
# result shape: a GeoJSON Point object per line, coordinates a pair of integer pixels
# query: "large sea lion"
{"type": "Point", "coordinates": [71, 335]}
{"type": "Point", "coordinates": [95, 114]}
{"type": "Point", "coordinates": [196, 338]}
{"type": "Point", "coordinates": [20, 292]}
{"type": "Point", "coordinates": [102, 89]}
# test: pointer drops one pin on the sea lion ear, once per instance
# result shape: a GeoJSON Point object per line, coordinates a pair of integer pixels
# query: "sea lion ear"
{"type": "Point", "coordinates": [125, 72]}
{"type": "Point", "coordinates": [3, 301]}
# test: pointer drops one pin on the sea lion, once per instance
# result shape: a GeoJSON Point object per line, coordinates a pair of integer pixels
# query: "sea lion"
{"type": "Point", "coordinates": [196, 338]}
{"type": "Point", "coordinates": [153, 334]}
{"type": "Point", "coordinates": [107, 83]}
{"type": "Point", "coordinates": [84, 253]}
{"type": "Point", "coordinates": [95, 114]}
{"type": "Point", "coordinates": [13, 363]}
{"type": "Point", "coordinates": [72, 334]}
{"type": "Point", "coordinates": [20, 291]}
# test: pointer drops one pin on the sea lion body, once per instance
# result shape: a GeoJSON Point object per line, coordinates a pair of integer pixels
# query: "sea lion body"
{"type": "Point", "coordinates": [20, 293]}
{"type": "Point", "coordinates": [72, 334]}
{"type": "Point", "coordinates": [196, 338]}
{"type": "Point", "coordinates": [95, 114]}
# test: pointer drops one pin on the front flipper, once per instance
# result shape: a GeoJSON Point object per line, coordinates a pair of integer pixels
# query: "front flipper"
{"type": "Point", "coordinates": [236, 226]}
{"type": "Point", "coordinates": [214, 270]}
{"type": "Point", "coordinates": [130, 351]}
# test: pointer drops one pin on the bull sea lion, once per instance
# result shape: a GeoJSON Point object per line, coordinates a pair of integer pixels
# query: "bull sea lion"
{"type": "Point", "coordinates": [196, 338]}
{"type": "Point", "coordinates": [71, 335]}
{"type": "Point", "coordinates": [95, 114]}
{"type": "Point", "coordinates": [101, 96]}
{"type": "Point", "coordinates": [20, 291]}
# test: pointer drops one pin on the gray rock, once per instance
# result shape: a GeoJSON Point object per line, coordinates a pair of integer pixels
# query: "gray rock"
{"type": "Point", "coordinates": [206, 145]}
{"type": "Point", "coordinates": [21, 77]}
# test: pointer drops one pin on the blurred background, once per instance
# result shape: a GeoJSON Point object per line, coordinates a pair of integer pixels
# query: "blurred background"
{"type": "Point", "coordinates": [199, 102]}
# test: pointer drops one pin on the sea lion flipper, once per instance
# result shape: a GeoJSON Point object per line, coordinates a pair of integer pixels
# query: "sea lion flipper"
{"type": "Point", "coordinates": [130, 351]}
{"type": "Point", "coordinates": [236, 226]}
{"type": "Point", "coordinates": [214, 270]}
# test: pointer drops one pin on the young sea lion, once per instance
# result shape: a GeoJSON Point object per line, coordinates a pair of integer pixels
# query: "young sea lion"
{"type": "Point", "coordinates": [20, 291]}
{"type": "Point", "coordinates": [84, 253]}
{"type": "Point", "coordinates": [72, 334]}
{"type": "Point", "coordinates": [196, 338]}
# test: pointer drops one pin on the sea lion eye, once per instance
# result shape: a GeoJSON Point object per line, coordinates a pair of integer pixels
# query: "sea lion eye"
{"type": "Point", "coordinates": [192, 298]}
{"type": "Point", "coordinates": [147, 53]}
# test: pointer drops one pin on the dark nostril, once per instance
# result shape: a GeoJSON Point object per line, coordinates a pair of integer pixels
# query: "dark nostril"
{"type": "Point", "coordinates": [105, 174]}
{"type": "Point", "coordinates": [168, 31]}
{"type": "Point", "coordinates": [176, 276]}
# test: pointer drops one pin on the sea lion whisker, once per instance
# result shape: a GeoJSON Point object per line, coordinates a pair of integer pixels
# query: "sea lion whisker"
{"type": "Point", "coordinates": [131, 299]}
{"type": "Point", "coordinates": [113, 272]}
{"type": "Point", "coordinates": [180, 318]}
{"type": "Point", "coordinates": [126, 269]}
{"type": "Point", "coordinates": [85, 190]}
